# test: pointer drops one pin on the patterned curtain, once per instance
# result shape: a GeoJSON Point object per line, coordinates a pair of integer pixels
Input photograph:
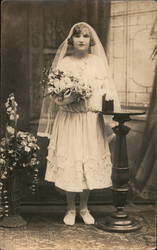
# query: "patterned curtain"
{"type": "Point", "coordinates": [144, 175]}
{"type": "Point", "coordinates": [14, 67]}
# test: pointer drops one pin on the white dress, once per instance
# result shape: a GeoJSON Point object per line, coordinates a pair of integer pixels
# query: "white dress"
{"type": "Point", "coordinates": [78, 153]}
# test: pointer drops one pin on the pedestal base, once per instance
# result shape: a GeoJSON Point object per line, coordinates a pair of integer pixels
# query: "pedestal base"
{"type": "Point", "coordinates": [13, 221]}
{"type": "Point", "coordinates": [119, 223]}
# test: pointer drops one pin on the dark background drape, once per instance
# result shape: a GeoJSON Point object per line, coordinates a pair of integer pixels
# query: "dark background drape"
{"type": "Point", "coordinates": [14, 50]}
{"type": "Point", "coordinates": [31, 33]}
{"type": "Point", "coordinates": [144, 173]}
{"type": "Point", "coordinates": [144, 177]}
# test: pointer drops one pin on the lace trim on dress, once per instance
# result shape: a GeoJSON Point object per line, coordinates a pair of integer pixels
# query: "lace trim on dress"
{"type": "Point", "coordinates": [62, 159]}
{"type": "Point", "coordinates": [106, 157]}
{"type": "Point", "coordinates": [87, 176]}
{"type": "Point", "coordinates": [85, 172]}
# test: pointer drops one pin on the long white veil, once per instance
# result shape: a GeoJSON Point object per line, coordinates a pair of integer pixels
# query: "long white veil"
{"type": "Point", "coordinates": [49, 108]}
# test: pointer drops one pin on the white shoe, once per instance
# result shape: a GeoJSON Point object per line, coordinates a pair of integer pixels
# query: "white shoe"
{"type": "Point", "coordinates": [87, 217]}
{"type": "Point", "coordinates": [69, 218]}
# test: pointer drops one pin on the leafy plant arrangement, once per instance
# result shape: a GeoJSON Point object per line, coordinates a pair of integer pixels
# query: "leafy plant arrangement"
{"type": "Point", "coordinates": [18, 150]}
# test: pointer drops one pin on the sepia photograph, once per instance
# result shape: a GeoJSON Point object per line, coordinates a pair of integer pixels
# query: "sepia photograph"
{"type": "Point", "coordinates": [78, 125]}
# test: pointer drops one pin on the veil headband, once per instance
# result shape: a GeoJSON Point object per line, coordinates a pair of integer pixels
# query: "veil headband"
{"type": "Point", "coordinates": [49, 108]}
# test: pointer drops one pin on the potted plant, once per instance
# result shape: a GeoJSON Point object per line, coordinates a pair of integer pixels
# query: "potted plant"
{"type": "Point", "coordinates": [18, 159]}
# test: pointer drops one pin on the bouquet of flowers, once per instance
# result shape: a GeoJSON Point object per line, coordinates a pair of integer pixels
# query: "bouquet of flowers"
{"type": "Point", "coordinates": [61, 83]}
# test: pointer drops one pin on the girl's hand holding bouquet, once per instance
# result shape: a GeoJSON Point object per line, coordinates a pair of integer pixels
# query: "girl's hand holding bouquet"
{"type": "Point", "coordinates": [67, 99]}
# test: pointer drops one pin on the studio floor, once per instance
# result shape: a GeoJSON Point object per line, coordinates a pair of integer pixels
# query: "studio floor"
{"type": "Point", "coordinates": [46, 231]}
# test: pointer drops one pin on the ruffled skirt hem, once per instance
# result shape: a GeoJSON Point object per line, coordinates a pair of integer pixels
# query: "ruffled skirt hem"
{"type": "Point", "coordinates": [91, 174]}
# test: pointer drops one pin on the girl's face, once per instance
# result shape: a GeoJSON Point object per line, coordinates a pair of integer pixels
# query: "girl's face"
{"type": "Point", "coordinates": [81, 40]}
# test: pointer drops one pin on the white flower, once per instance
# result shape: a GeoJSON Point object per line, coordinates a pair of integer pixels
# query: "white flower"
{"type": "Point", "coordinates": [10, 130]}
{"type": "Point", "coordinates": [7, 104]}
{"type": "Point", "coordinates": [23, 143]}
{"type": "Point", "coordinates": [21, 134]}
{"type": "Point", "coordinates": [12, 98]}
{"type": "Point", "coordinates": [1, 149]}
{"type": "Point", "coordinates": [27, 149]}
{"type": "Point", "coordinates": [50, 89]}
{"type": "Point", "coordinates": [2, 161]}
{"type": "Point", "coordinates": [9, 109]}
{"type": "Point", "coordinates": [3, 177]}
{"type": "Point", "coordinates": [12, 112]}
{"type": "Point", "coordinates": [3, 141]}
{"type": "Point", "coordinates": [55, 71]}
{"type": "Point", "coordinates": [11, 117]}
{"type": "Point", "coordinates": [57, 82]}
{"type": "Point", "coordinates": [10, 151]}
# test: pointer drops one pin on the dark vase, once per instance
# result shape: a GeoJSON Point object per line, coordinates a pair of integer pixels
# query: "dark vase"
{"type": "Point", "coordinates": [15, 188]}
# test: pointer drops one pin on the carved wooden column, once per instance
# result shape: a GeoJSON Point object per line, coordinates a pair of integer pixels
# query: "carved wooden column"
{"type": "Point", "coordinates": [119, 221]}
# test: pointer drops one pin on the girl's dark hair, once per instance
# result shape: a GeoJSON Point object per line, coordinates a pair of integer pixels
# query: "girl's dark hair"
{"type": "Point", "coordinates": [77, 31]}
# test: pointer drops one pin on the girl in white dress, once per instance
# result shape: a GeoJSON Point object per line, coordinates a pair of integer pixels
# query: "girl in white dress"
{"type": "Point", "coordinates": [78, 154]}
